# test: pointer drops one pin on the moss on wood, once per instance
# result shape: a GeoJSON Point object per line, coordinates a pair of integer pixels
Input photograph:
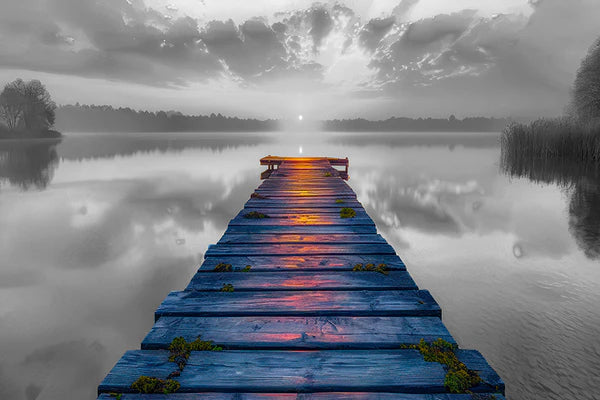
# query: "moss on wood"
{"type": "Point", "coordinates": [381, 268]}
{"type": "Point", "coordinates": [147, 385]}
{"type": "Point", "coordinates": [459, 379]}
{"type": "Point", "coordinates": [255, 215]}
{"type": "Point", "coordinates": [227, 287]}
{"type": "Point", "coordinates": [222, 267]}
{"type": "Point", "coordinates": [347, 212]}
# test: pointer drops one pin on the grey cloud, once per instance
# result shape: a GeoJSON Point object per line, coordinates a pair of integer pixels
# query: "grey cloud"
{"type": "Point", "coordinates": [249, 50]}
{"type": "Point", "coordinates": [431, 60]}
{"type": "Point", "coordinates": [403, 8]}
{"type": "Point", "coordinates": [373, 31]}
{"type": "Point", "coordinates": [109, 39]}
{"type": "Point", "coordinates": [434, 29]}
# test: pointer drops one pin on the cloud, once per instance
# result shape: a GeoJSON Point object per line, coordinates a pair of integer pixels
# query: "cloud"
{"type": "Point", "coordinates": [463, 62]}
{"type": "Point", "coordinates": [373, 31]}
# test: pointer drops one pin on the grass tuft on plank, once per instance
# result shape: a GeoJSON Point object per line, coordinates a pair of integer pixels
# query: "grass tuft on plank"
{"type": "Point", "coordinates": [227, 287]}
{"type": "Point", "coordinates": [149, 385]}
{"type": "Point", "coordinates": [255, 215]}
{"type": "Point", "coordinates": [381, 268]}
{"type": "Point", "coordinates": [347, 212]}
{"type": "Point", "coordinates": [459, 379]}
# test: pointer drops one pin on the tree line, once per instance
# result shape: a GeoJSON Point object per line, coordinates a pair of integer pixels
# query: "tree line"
{"type": "Point", "coordinates": [92, 118]}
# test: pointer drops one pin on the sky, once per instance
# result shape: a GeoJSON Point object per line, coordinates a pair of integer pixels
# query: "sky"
{"type": "Point", "coordinates": [283, 58]}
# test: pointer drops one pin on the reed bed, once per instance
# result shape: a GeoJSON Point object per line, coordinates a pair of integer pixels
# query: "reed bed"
{"type": "Point", "coordinates": [562, 140]}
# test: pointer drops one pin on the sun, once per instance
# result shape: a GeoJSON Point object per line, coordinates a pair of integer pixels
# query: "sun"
{"type": "Point", "coordinates": [300, 117]}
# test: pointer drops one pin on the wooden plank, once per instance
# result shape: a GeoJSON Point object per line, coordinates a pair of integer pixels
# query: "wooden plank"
{"type": "Point", "coordinates": [299, 263]}
{"type": "Point", "coordinates": [302, 194]}
{"type": "Point", "coordinates": [302, 396]}
{"type": "Point", "coordinates": [300, 333]}
{"type": "Point", "coordinates": [301, 229]}
{"type": "Point", "coordinates": [303, 280]}
{"type": "Point", "coordinates": [301, 203]}
{"type": "Point", "coordinates": [240, 238]}
{"type": "Point", "coordinates": [318, 219]}
{"type": "Point", "coordinates": [293, 212]}
{"type": "Point", "coordinates": [300, 303]}
{"type": "Point", "coordinates": [306, 193]}
{"type": "Point", "coordinates": [276, 249]}
{"type": "Point", "coordinates": [297, 371]}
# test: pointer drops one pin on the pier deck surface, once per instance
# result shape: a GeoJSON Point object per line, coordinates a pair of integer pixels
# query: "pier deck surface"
{"type": "Point", "coordinates": [301, 321]}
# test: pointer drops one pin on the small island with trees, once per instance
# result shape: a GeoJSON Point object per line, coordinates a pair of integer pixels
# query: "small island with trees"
{"type": "Point", "coordinates": [27, 111]}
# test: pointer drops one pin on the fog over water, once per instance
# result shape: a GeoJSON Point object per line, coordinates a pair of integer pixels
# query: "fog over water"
{"type": "Point", "coordinates": [97, 229]}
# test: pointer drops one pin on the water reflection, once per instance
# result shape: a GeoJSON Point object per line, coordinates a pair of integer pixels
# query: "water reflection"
{"type": "Point", "coordinates": [125, 220]}
{"type": "Point", "coordinates": [28, 164]}
{"type": "Point", "coordinates": [87, 146]}
{"type": "Point", "coordinates": [582, 184]}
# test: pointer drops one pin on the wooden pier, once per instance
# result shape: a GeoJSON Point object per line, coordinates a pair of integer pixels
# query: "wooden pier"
{"type": "Point", "coordinates": [305, 304]}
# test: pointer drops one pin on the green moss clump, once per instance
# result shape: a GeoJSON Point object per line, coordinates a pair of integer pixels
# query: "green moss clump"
{"type": "Point", "coordinates": [381, 268]}
{"type": "Point", "coordinates": [255, 215]}
{"type": "Point", "coordinates": [459, 379]}
{"type": "Point", "coordinates": [247, 268]}
{"type": "Point", "coordinates": [147, 385]}
{"type": "Point", "coordinates": [347, 212]}
{"type": "Point", "coordinates": [227, 287]}
{"type": "Point", "coordinates": [117, 396]}
{"type": "Point", "coordinates": [339, 201]}
{"type": "Point", "coordinates": [327, 174]}
{"type": "Point", "coordinates": [222, 267]}
{"type": "Point", "coordinates": [180, 349]}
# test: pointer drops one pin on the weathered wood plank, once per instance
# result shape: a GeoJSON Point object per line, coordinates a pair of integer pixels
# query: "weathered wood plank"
{"type": "Point", "coordinates": [300, 303]}
{"type": "Point", "coordinates": [302, 396]}
{"type": "Point", "coordinates": [301, 194]}
{"type": "Point", "coordinates": [292, 212]}
{"type": "Point", "coordinates": [315, 203]}
{"type": "Point", "coordinates": [317, 219]}
{"type": "Point", "coordinates": [300, 333]}
{"type": "Point", "coordinates": [299, 263]}
{"type": "Point", "coordinates": [276, 249]}
{"type": "Point", "coordinates": [285, 212]}
{"type": "Point", "coordinates": [300, 238]}
{"type": "Point", "coordinates": [301, 229]}
{"type": "Point", "coordinates": [297, 371]}
{"type": "Point", "coordinates": [303, 280]}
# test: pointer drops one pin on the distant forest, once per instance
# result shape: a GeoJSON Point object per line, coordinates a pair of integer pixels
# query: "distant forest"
{"type": "Point", "coordinates": [84, 118]}
{"type": "Point", "coordinates": [395, 124]}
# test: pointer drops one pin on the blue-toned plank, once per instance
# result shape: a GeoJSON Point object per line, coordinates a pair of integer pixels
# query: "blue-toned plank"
{"type": "Point", "coordinates": [300, 303]}
{"type": "Point", "coordinates": [300, 333]}
{"type": "Point", "coordinates": [303, 280]}
{"type": "Point", "coordinates": [321, 204]}
{"type": "Point", "coordinates": [299, 263]}
{"type": "Point", "coordinates": [229, 238]}
{"type": "Point", "coordinates": [291, 212]}
{"type": "Point", "coordinates": [313, 219]}
{"type": "Point", "coordinates": [294, 371]}
{"type": "Point", "coordinates": [303, 396]}
{"type": "Point", "coordinates": [300, 229]}
{"type": "Point", "coordinates": [300, 249]}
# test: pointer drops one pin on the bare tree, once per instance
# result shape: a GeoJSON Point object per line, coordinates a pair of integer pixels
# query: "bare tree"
{"type": "Point", "coordinates": [27, 106]}
{"type": "Point", "coordinates": [586, 92]}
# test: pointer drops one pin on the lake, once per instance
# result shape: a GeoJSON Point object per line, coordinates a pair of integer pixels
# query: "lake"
{"type": "Point", "coordinates": [95, 230]}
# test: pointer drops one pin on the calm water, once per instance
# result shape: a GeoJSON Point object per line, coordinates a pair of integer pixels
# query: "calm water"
{"type": "Point", "coordinates": [96, 230]}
